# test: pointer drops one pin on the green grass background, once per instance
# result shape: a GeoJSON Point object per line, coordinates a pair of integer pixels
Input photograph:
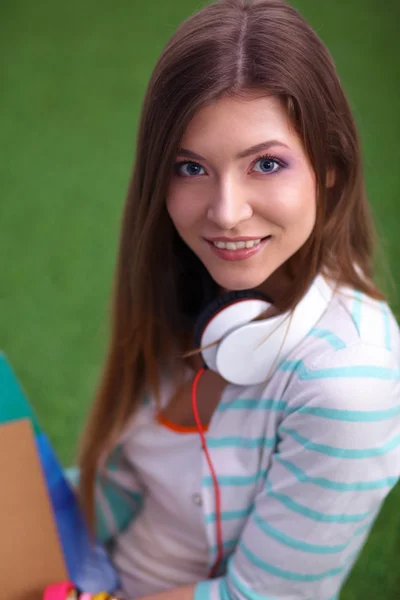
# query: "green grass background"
{"type": "Point", "coordinates": [72, 78]}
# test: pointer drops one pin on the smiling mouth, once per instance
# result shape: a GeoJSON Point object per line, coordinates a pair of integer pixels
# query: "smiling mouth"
{"type": "Point", "coordinates": [238, 245]}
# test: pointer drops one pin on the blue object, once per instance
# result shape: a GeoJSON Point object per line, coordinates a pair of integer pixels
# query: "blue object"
{"type": "Point", "coordinates": [87, 563]}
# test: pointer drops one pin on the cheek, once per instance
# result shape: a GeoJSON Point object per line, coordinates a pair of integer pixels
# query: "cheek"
{"type": "Point", "coordinates": [182, 207]}
{"type": "Point", "coordinates": [295, 204]}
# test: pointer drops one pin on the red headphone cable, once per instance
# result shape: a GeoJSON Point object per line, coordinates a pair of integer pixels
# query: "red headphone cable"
{"type": "Point", "coordinates": [212, 470]}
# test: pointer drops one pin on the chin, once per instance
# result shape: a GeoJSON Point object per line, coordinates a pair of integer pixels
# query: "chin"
{"type": "Point", "coordinates": [237, 283]}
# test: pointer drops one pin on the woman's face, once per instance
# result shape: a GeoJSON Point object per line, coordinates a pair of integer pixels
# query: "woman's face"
{"type": "Point", "coordinates": [243, 193]}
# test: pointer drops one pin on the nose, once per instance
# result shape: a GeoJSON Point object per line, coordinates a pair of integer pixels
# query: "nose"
{"type": "Point", "coordinates": [230, 205]}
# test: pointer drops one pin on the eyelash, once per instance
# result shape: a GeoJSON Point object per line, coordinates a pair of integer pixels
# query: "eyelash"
{"type": "Point", "coordinates": [278, 161]}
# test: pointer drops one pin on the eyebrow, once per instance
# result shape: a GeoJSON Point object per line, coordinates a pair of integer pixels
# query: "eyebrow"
{"type": "Point", "coordinates": [262, 147]}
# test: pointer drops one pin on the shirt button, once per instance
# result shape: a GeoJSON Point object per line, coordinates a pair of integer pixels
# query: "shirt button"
{"type": "Point", "coordinates": [197, 499]}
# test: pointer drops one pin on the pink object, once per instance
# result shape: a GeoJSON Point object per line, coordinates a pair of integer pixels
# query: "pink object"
{"type": "Point", "coordinates": [86, 596]}
{"type": "Point", "coordinates": [58, 591]}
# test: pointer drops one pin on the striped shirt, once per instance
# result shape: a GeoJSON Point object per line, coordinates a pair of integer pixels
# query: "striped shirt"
{"type": "Point", "coordinates": [304, 462]}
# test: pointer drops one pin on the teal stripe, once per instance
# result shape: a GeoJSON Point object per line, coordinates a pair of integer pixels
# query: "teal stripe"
{"type": "Point", "coordinates": [103, 533]}
{"type": "Point", "coordinates": [364, 528]}
{"type": "Point", "coordinates": [358, 486]}
{"type": "Point", "coordinates": [223, 590]}
{"type": "Point", "coordinates": [113, 463]}
{"type": "Point", "coordinates": [355, 371]}
{"type": "Point", "coordinates": [357, 416]}
{"type": "Point", "coordinates": [202, 590]}
{"type": "Point", "coordinates": [386, 325]}
{"type": "Point", "coordinates": [330, 337]}
{"type": "Point", "coordinates": [356, 312]}
{"type": "Point", "coordinates": [241, 442]}
{"type": "Point", "coordinates": [229, 515]}
{"type": "Point", "coordinates": [253, 404]}
{"type": "Point", "coordinates": [342, 452]}
{"type": "Point", "coordinates": [235, 479]}
{"type": "Point", "coordinates": [282, 573]}
{"type": "Point", "coordinates": [244, 590]}
{"type": "Point", "coordinates": [314, 514]}
{"type": "Point", "coordinates": [250, 594]}
{"type": "Point", "coordinates": [124, 504]}
{"type": "Point", "coordinates": [292, 542]}
{"type": "Point", "coordinates": [228, 545]}
{"type": "Point", "coordinates": [370, 416]}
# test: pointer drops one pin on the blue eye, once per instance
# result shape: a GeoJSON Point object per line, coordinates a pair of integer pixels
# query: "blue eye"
{"type": "Point", "coordinates": [188, 169]}
{"type": "Point", "coordinates": [268, 164]}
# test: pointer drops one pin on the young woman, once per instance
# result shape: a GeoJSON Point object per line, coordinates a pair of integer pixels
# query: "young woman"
{"type": "Point", "coordinates": [246, 247]}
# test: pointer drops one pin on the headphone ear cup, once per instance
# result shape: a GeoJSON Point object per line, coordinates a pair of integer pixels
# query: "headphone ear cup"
{"type": "Point", "coordinates": [218, 304]}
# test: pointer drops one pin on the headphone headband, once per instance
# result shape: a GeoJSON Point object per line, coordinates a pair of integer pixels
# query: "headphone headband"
{"type": "Point", "coordinates": [220, 303]}
{"type": "Point", "coordinates": [246, 351]}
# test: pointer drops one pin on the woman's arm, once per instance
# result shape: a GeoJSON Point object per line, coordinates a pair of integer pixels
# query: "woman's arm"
{"type": "Point", "coordinates": [337, 458]}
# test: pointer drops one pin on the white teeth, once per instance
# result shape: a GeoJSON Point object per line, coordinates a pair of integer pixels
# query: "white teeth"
{"type": "Point", "coordinates": [237, 245]}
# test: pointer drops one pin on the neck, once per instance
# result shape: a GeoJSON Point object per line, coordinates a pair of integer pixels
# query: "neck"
{"type": "Point", "coordinates": [277, 284]}
{"type": "Point", "coordinates": [275, 287]}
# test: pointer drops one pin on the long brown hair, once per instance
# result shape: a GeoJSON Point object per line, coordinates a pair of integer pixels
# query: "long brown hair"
{"type": "Point", "coordinates": [230, 47]}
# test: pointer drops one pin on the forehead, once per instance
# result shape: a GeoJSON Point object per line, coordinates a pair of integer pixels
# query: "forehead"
{"type": "Point", "coordinates": [231, 121]}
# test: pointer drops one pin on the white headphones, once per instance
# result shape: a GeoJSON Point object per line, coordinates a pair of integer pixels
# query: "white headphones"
{"type": "Point", "coordinates": [247, 352]}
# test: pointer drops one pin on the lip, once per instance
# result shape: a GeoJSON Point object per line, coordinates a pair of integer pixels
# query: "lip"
{"type": "Point", "coordinates": [235, 239]}
{"type": "Point", "coordinates": [237, 255]}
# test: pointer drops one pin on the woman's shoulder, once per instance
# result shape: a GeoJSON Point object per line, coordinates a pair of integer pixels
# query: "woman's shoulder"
{"type": "Point", "coordinates": [350, 359]}
{"type": "Point", "coordinates": [355, 321]}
